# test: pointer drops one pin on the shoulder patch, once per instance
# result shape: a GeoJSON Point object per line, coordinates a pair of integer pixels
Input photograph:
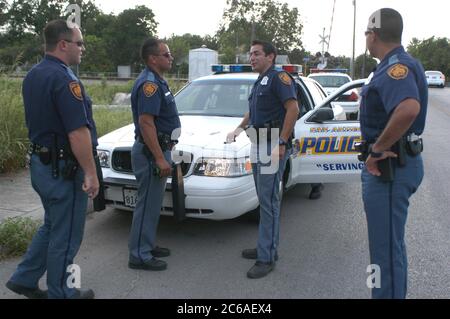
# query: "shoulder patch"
{"type": "Point", "coordinates": [398, 72]}
{"type": "Point", "coordinates": [150, 89]}
{"type": "Point", "coordinates": [75, 88]}
{"type": "Point", "coordinates": [285, 78]}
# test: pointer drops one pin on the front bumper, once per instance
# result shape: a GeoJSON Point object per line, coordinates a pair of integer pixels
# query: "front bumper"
{"type": "Point", "coordinates": [213, 198]}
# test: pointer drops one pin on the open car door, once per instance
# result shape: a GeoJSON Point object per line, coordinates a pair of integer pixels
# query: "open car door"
{"type": "Point", "coordinates": [324, 147]}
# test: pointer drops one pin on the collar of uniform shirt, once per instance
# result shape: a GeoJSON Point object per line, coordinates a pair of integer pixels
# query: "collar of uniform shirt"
{"type": "Point", "coordinates": [267, 72]}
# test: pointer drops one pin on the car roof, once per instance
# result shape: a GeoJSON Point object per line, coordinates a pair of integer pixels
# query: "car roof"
{"type": "Point", "coordinates": [329, 74]}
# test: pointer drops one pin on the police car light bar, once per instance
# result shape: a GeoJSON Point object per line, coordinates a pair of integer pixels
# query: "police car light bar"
{"type": "Point", "coordinates": [241, 68]}
{"type": "Point", "coordinates": [231, 68]}
{"type": "Point", "coordinates": [290, 68]}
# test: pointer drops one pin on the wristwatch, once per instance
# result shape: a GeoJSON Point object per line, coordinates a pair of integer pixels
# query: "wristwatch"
{"type": "Point", "coordinates": [374, 154]}
{"type": "Point", "coordinates": [282, 142]}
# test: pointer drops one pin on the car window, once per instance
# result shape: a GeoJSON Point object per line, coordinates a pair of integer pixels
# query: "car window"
{"type": "Point", "coordinates": [222, 98]}
{"type": "Point", "coordinates": [331, 81]}
{"type": "Point", "coordinates": [317, 94]}
{"type": "Point", "coordinates": [433, 73]}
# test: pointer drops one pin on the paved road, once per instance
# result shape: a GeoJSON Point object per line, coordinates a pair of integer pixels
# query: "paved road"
{"type": "Point", "coordinates": [323, 251]}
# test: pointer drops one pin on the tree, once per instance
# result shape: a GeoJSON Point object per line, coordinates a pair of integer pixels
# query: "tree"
{"type": "Point", "coordinates": [97, 57]}
{"type": "Point", "coordinates": [3, 12]}
{"type": "Point", "coordinates": [181, 45]}
{"type": "Point", "coordinates": [20, 17]}
{"type": "Point", "coordinates": [269, 20]}
{"type": "Point", "coordinates": [434, 53]}
{"type": "Point", "coordinates": [46, 11]}
{"type": "Point", "coordinates": [127, 34]}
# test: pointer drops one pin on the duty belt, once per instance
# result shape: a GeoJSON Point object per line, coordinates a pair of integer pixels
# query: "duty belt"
{"type": "Point", "coordinates": [42, 150]}
{"type": "Point", "coordinates": [165, 144]}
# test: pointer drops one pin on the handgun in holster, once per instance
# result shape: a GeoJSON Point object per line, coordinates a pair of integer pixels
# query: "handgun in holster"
{"type": "Point", "coordinates": [69, 171]}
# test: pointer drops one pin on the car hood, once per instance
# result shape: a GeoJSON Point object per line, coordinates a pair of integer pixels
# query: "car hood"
{"type": "Point", "coordinates": [205, 132]}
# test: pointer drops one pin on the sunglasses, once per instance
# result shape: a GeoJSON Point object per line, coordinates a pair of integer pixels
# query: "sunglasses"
{"type": "Point", "coordinates": [78, 43]}
{"type": "Point", "coordinates": [166, 55]}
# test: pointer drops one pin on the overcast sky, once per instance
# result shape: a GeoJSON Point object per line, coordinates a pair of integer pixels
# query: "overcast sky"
{"type": "Point", "coordinates": [422, 19]}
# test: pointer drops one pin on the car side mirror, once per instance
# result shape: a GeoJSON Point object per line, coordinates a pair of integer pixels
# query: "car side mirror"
{"type": "Point", "coordinates": [323, 114]}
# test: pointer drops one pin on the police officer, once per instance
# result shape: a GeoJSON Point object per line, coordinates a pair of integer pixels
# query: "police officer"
{"type": "Point", "coordinates": [273, 109]}
{"type": "Point", "coordinates": [156, 121]}
{"type": "Point", "coordinates": [393, 112]}
{"type": "Point", "coordinates": [62, 132]}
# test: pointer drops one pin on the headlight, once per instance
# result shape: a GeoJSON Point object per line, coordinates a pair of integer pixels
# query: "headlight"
{"type": "Point", "coordinates": [104, 156]}
{"type": "Point", "coordinates": [223, 167]}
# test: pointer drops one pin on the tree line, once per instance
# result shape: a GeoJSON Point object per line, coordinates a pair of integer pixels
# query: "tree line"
{"type": "Point", "coordinates": [113, 40]}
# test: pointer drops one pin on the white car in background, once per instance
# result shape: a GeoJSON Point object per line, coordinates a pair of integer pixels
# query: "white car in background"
{"type": "Point", "coordinates": [435, 78]}
{"type": "Point", "coordinates": [218, 180]}
{"type": "Point", "coordinates": [331, 82]}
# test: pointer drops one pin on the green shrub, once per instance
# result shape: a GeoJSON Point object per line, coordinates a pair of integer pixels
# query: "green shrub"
{"type": "Point", "coordinates": [13, 132]}
{"type": "Point", "coordinates": [16, 235]}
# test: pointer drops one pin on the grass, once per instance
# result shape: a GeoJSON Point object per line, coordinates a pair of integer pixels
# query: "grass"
{"type": "Point", "coordinates": [14, 134]}
{"type": "Point", "coordinates": [16, 235]}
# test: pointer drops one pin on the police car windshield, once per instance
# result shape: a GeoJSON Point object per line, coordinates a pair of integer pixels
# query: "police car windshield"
{"type": "Point", "coordinates": [329, 81]}
{"type": "Point", "coordinates": [215, 98]}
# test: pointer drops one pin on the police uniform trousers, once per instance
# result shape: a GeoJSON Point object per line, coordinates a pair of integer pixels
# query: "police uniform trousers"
{"type": "Point", "coordinates": [57, 242]}
{"type": "Point", "coordinates": [146, 215]}
{"type": "Point", "coordinates": [386, 206]}
{"type": "Point", "coordinates": [267, 176]}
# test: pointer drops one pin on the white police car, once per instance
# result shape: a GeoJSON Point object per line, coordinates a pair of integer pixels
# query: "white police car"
{"type": "Point", "coordinates": [331, 81]}
{"type": "Point", "coordinates": [218, 181]}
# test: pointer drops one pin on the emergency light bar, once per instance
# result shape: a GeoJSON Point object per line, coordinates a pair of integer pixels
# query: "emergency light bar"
{"type": "Point", "coordinates": [241, 68]}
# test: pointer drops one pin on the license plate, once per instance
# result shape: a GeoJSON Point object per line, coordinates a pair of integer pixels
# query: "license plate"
{"type": "Point", "coordinates": [130, 197]}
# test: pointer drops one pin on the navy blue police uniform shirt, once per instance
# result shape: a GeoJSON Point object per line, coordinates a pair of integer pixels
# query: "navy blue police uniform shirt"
{"type": "Point", "coordinates": [397, 78]}
{"type": "Point", "coordinates": [151, 95]}
{"type": "Point", "coordinates": [55, 103]}
{"type": "Point", "coordinates": [269, 93]}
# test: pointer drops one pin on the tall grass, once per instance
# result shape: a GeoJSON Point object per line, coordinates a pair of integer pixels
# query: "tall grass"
{"type": "Point", "coordinates": [14, 134]}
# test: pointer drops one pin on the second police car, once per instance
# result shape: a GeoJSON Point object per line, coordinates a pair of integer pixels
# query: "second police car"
{"type": "Point", "coordinates": [218, 181]}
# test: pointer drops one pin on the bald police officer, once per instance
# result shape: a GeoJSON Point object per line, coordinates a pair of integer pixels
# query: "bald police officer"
{"type": "Point", "coordinates": [393, 112]}
{"type": "Point", "coordinates": [62, 132]}
{"type": "Point", "coordinates": [273, 107]}
{"type": "Point", "coordinates": [156, 121]}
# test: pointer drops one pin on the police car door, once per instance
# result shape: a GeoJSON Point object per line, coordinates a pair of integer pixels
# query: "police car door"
{"type": "Point", "coordinates": [324, 148]}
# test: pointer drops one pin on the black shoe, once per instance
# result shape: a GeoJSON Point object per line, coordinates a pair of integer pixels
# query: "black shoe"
{"type": "Point", "coordinates": [152, 264]}
{"type": "Point", "coordinates": [83, 294]}
{"type": "Point", "coordinates": [31, 293]}
{"type": "Point", "coordinates": [159, 252]}
{"type": "Point", "coordinates": [253, 254]}
{"type": "Point", "coordinates": [316, 192]}
{"type": "Point", "coordinates": [260, 270]}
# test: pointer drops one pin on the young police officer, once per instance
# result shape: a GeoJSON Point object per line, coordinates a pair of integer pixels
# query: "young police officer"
{"type": "Point", "coordinates": [393, 111]}
{"type": "Point", "coordinates": [62, 132]}
{"type": "Point", "coordinates": [273, 106]}
{"type": "Point", "coordinates": [155, 118]}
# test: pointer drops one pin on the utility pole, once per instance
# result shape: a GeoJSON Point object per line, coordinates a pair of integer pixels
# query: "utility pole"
{"type": "Point", "coordinates": [352, 64]}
